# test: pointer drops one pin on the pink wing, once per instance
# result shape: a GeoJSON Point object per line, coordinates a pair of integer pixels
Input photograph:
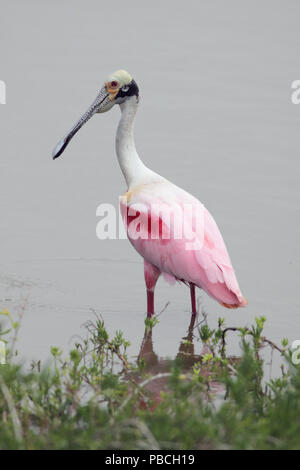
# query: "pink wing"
{"type": "Point", "coordinates": [147, 210]}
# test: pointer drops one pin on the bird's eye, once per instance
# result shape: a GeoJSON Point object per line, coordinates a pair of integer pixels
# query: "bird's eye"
{"type": "Point", "coordinates": [125, 88]}
{"type": "Point", "coordinates": [114, 84]}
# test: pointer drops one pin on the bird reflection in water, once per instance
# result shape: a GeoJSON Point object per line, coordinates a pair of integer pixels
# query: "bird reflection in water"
{"type": "Point", "coordinates": [160, 368]}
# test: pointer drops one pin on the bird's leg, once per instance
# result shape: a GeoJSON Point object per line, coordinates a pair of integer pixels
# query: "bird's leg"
{"type": "Point", "coordinates": [193, 299]}
{"type": "Point", "coordinates": [150, 303]}
{"type": "Point", "coordinates": [186, 347]}
{"type": "Point", "coordinates": [151, 274]}
{"type": "Point", "coordinates": [146, 351]}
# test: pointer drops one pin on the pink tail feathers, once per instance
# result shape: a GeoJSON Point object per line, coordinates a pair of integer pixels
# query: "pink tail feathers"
{"type": "Point", "coordinates": [224, 288]}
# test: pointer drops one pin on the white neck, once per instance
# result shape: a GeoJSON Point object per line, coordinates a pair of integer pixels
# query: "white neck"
{"type": "Point", "coordinates": [133, 169]}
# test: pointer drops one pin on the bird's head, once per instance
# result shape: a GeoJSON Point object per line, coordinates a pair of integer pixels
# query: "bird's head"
{"type": "Point", "coordinates": [119, 87]}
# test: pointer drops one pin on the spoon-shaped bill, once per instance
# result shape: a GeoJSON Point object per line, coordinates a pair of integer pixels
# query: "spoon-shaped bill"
{"type": "Point", "coordinates": [101, 104]}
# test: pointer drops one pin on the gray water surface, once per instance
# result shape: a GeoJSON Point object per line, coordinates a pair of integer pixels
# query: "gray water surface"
{"type": "Point", "coordinates": [215, 118]}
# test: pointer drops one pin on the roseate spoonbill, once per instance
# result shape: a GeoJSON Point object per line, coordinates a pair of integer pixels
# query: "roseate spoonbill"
{"type": "Point", "coordinates": [207, 267]}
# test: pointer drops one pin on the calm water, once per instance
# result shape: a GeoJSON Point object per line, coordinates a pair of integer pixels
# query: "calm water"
{"type": "Point", "coordinates": [215, 118]}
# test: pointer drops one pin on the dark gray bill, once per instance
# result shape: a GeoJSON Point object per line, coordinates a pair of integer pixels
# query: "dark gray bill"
{"type": "Point", "coordinates": [101, 104]}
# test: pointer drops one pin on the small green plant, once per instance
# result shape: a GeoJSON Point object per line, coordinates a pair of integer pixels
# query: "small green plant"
{"type": "Point", "coordinates": [13, 325]}
{"type": "Point", "coordinates": [97, 398]}
{"type": "Point", "coordinates": [150, 322]}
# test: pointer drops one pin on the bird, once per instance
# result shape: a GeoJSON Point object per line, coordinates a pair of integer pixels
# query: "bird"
{"type": "Point", "coordinates": [154, 209]}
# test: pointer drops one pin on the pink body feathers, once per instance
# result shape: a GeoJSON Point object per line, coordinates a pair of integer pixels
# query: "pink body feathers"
{"type": "Point", "coordinates": [146, 212]}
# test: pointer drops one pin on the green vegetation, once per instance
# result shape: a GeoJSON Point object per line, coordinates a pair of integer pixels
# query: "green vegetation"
{"type": "Point", "coordinates": [96, 398]}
